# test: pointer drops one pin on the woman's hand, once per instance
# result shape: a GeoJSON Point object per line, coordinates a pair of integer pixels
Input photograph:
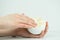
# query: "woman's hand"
{"type": "Point", "coordinates": [24, 32]}
{"type": "Point", "coordinates": [11, 22]}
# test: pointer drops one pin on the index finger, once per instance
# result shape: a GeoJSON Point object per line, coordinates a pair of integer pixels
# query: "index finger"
{"type": "Point", "coordinates": [28, 20]}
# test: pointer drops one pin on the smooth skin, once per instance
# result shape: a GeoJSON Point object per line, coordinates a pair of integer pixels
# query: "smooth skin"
{"type": "Point", "coordinates": [17, 24]}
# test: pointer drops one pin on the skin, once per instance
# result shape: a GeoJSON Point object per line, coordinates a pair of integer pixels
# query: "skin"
{"type": "Point", "coordinates": [24, 32]}
{"type": "Point", "coordinates": [11, 22]}
{"type": "Point", "coordinates": [17, 24]}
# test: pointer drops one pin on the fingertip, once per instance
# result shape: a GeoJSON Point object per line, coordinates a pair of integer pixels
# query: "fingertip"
{"type": "Point", "coordinates": [46, 23]}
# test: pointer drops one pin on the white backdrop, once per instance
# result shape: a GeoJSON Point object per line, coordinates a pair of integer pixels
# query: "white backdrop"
{"type": "Point", "coordinates": [49, 9]}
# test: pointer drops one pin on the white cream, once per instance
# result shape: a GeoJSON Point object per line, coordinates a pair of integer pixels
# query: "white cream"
{"type": "Point", "coordinates": [40, 26]}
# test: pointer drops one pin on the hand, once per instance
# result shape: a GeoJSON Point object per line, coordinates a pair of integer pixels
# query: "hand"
{"type": "Point", "coordinates": [11, 22]}
{"type": "Point", "coordinates": [24, 32]}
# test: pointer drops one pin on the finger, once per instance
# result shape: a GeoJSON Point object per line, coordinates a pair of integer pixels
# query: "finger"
{"type": "Point", "coordinates": [25, 18]}
{"type": "Point", "coordinates": [26, 22]}
{"type": "Point", "coordinates": [29, 21]}
{"type": "Point", "coordinates": [25, 33]}
{"type": "Point", "coordinates": [23, 25]}
{"type": "Point", "coordinates": [44, 31]}
{"type": "Point", "coordinates": [46, 27]}
{"type": "Point", "coordinates": [42, 34]}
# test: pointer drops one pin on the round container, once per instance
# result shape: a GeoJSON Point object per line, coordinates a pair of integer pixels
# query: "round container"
{"type": "Point", "coordinates": [40, 26]}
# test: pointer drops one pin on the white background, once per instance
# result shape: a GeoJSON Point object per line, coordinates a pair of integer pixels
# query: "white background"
{"type": "Point", "coordinates": [49, 9]}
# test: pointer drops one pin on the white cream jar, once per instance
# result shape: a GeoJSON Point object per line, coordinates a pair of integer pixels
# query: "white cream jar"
{"type": "Point", "coordinates": [40, 26]}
